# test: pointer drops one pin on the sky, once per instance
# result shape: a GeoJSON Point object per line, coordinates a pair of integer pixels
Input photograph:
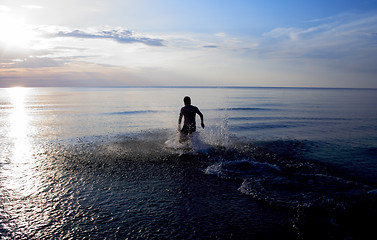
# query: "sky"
{"type": "Point", "coordinates": [121, 43]}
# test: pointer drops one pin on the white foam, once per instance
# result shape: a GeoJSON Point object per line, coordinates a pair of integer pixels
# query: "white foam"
{"type": "Point", "coordinates": [217, 135]}
{"type": "Point", "coordinates": [193, 143]}
{"type": "Point", "coordinates": [173, 143]}
{"type": "Point", "coordinates": [241, 169]}
{"type": "Point", "coordinates": [373, 192]}
{"type": "Point", "coordinates": [215, 169]}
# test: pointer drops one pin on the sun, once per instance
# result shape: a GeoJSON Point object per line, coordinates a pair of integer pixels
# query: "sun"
{"type": "Point", "coordinates": [15, 31]}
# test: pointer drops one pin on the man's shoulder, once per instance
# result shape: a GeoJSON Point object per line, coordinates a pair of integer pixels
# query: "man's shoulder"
{"type": "Point", "coordinates": [193, 108]}
{"type": "Point", "coordinates": [190, 108]}
{"type": "Point", "coordinates": [196, 108]}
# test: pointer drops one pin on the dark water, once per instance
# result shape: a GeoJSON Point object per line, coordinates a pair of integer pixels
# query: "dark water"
{"type": "Point", "coordinates": [106, 164]}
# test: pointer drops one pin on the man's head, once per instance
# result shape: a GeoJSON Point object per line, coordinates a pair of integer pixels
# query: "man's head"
{"type": "Point", "coordinates": [187, 100]}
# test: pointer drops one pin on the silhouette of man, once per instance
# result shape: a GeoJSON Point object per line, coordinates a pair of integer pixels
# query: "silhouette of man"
{"type": "Point", "coordinates": [189, 113]}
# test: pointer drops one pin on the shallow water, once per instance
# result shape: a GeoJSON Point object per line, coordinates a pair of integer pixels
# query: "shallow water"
{"type": "Point", "coordinates": [106, 163]}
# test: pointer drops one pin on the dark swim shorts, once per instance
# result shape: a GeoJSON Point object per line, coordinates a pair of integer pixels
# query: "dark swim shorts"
{"type": "Point", "coordinates": [188, 129]}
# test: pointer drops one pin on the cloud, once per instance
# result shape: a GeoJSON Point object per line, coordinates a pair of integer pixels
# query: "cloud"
{"type": "Point", "coordinates": [338, 37]}
{"type": "Point", "coordinates": [284, 33]}
{"type": "Point", "coordinates": [5, 8]}
{"type": "Point", "coordinates": [210, 46]}
{"type": "Point", "coordinates": [119, 35]}
{"type": "Point", "coordinates": [77, 74]}
{"type": "Point", "coordinates": [18, 58]}
{"type": "Point", "coordinates": [341, 48]}
{"type": "Point", "coordinates": [221, 34]}
{"type": "Point", "coordinates": [33, 6]}
{"type": "Point", "coordinates": [55, 46]}
{"type": "Point", "coordinates": [34, 62]}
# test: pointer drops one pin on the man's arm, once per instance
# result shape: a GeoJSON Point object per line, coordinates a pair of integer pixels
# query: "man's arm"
{"type": "Point", "coordinates": [180, 120]}
{"type": "Point", "coordinates": [201, 118]}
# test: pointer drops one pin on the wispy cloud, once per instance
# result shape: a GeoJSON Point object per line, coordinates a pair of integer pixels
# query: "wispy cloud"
{"type": "Point", "coordinates": [210, 46]}
{"type": "Point", "coordinates": [33, 6]}
{"type": "Point", "coordinates": [221, 34]}
{"type": "Point", "coordinates": [33, 62]}
{"type": "Point", "coordinates": [338, 37]}
{"type": "Point", "coordinates": [119, 35]}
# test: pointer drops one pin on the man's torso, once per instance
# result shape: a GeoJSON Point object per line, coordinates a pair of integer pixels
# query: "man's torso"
{"type": "Point", "coordinates": [189, 113]}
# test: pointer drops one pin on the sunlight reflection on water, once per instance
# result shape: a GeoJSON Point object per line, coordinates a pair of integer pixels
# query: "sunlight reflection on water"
{"type": "Point", "coordinates": [18, 176]}
{"type": "Point", "coordinates": [19, 122]}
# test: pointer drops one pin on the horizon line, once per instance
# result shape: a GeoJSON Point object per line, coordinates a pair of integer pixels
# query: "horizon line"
{"type": "Point", "coordinates": [229, 87]}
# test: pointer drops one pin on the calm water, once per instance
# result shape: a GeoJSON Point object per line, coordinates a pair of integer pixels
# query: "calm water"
{"type": "Point", "coordinates": [272, 163]}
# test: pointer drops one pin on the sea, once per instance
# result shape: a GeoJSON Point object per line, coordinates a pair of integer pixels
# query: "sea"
{"type": "Point", "coordinates": [107, 163]}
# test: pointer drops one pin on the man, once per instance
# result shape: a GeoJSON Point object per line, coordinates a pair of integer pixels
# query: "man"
{"type": "Point", "coordinates": [189, 113]}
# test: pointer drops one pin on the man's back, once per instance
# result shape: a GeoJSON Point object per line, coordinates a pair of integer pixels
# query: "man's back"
{"type": "Point", "coordinates": [189, 113]}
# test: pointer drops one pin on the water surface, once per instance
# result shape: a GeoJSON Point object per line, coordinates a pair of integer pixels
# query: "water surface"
{"type": "Point", "coordinates": [272, 163]}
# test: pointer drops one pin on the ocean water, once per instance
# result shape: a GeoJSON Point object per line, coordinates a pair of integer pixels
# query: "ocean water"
{"type": "Point", "coordinates": [106, 163]}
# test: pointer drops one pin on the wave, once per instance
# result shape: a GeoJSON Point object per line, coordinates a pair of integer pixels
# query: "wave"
{"type": "Point", "coordinates": [133, 112]}
{"type": "Point", "coordinates": [288, 118]}
{"type": "Point", "coordinates": [286, 182]}
{"type": "Point", "coordinates": [261, 126]}
{"type": "Point", "coordinates": [246, 109]}
{"type": "Point", "coordinates": [240, 169]}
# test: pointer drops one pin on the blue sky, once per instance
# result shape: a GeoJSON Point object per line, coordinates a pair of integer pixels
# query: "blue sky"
{"type": "Point", "coordinates": [181, 43]}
